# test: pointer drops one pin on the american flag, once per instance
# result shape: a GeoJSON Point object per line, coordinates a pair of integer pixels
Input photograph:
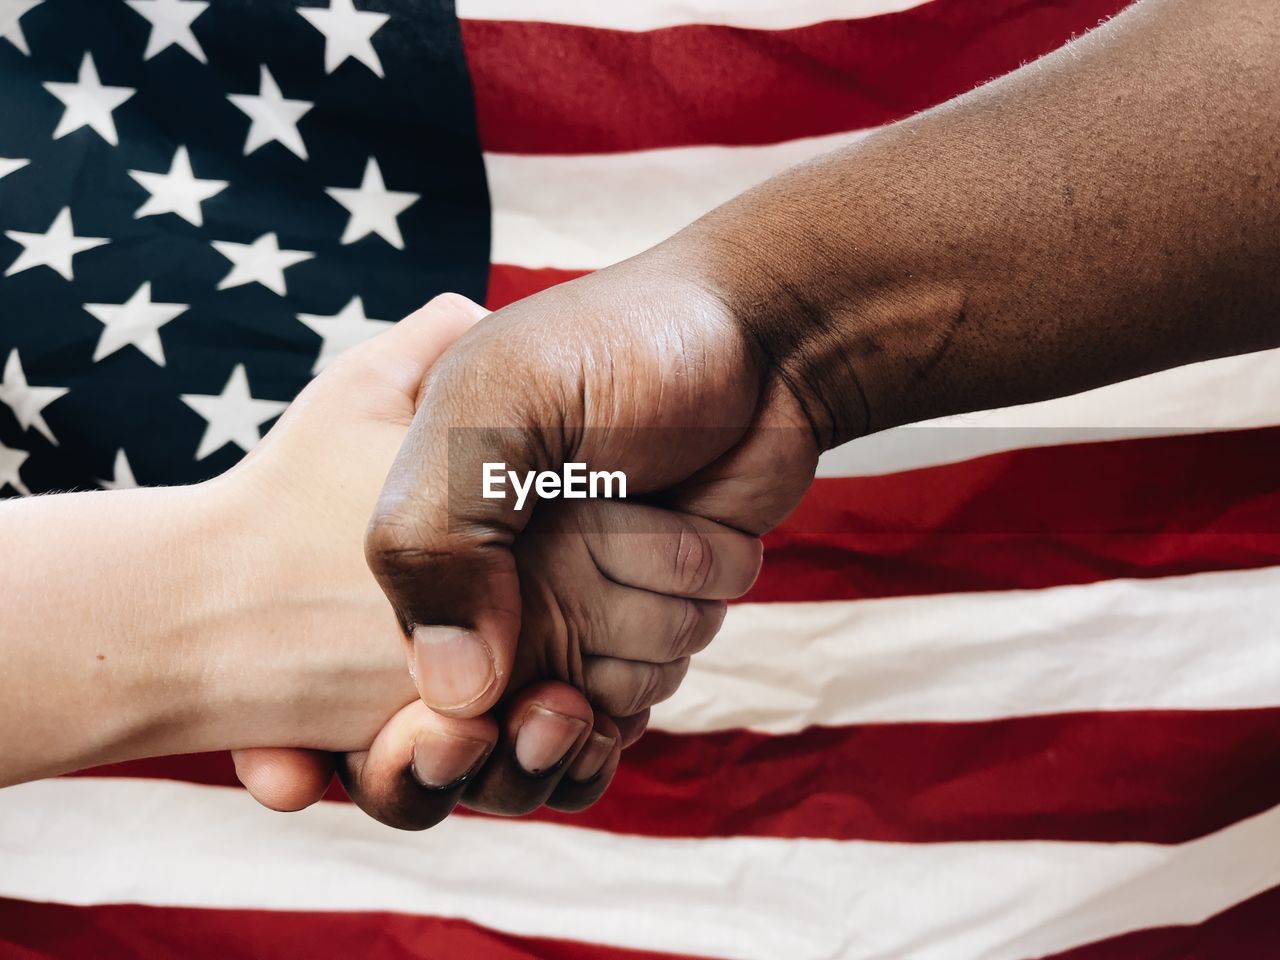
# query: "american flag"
{"type": "Point", "coordinates": [1005, 689]}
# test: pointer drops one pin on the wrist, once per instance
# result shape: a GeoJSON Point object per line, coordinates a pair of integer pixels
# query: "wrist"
{"type": "Point", "coordinates": [849, 278]}
{"type": "Point", "coordinates": [115, 596]}
{"type": "Point", "coordinates": [202, 597]}
{"type": "Point", "coordinates": [306, 651]}
{"type": "Point", "coordinates": [232, 642]}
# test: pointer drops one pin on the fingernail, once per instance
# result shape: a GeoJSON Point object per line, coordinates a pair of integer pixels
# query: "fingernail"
{"type": "Point", "coordinates": [592, 757]}
{"type": "Point", "coordinates": [544, 739]}
{"type": "Point", "coordinates": [454, 666]}
{"type": "Point", "coordinates": [441, 759]}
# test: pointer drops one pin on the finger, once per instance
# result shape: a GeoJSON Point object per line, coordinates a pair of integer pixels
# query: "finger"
{"type": "Point", "coordinates": [756, 484]}
{"type": "Point", "coordinates": [284, 779]}
{"type": "Point", "coordinates": [441, 551]}
{"type": "Point", "coordinates": [624, 687]}
{"type": "Point", "coordinates": [402, 356]}
{"type": "Point", "coordinates": [545, 727]}
{"type": "Point", "coordinates": [514, 392]}
{"type": "Point", "coordinates": [383, 376]}
{"type": "Point", "coordinates": [418, 766]}
{"type": "Point", "coordinates": [633, 727]}
{"type": "Point", "coordinates": [671, 553]}
{"type": "Point", "coordinates": [639, 625]}
{"type": "Point", "coordinates": [590, 774]}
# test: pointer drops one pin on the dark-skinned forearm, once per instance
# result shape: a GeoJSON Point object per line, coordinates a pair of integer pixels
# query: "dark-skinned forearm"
{"type": "Point", "coordinates": [1109, 211]}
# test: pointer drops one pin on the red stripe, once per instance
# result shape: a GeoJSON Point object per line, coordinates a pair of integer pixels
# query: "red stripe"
{"type": "Point", "coordinates": [507, 284]}
{"type": "Point", "coordinates": [552, 88]}
{"type": "Point", "coordinates": [1035, 518]}
{"type": "Point", "coordinates": [1248, 931]}
{"type": "Point", "coordinates": [128, 931]}
{"type": "Point", "coordinates": [1159, 777]}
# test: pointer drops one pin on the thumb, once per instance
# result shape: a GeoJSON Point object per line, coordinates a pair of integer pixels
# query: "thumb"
{"type": "Point", "coordinates": [401, 357]}
{"type": "Point", "coordinates": [441, 548]}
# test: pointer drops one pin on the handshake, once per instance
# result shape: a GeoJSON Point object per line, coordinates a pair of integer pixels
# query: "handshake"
{"type": "Point", "coordinates": [539, 625]}
{"type": "Point", "coordinates": [537, 637]}
{"type": "Point", "coordinates": [250, 612]}
{"type": "Point", "coordinates": [932, 269]}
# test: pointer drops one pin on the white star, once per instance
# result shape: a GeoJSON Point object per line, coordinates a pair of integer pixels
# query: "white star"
{"type": "Point", "coordinates": [54, 248]}
{"type": "Point", "coordinates": [177, 191]}
{"type": "Point", "coordinates": [11, 462]}
{"type": "Point", "coordinates": [348, 33]}
{"type": "Point", "coordinates": [137, 321]}
{"type": "Point", "coordinates": [348, 327]}
{"type": "Point", "coordinates": [11, 12]}
{"type": "Point", "coordinates": [171, 24]}
{"type": "Point", "coordinates": [88, 103]}
{"type": "Point", "coordinates": [261, 261]}
{"type": "Point", "coordinates": [8, 166]}
{"type": "Point", "coordinates": [27, 402]}
{"type": "Point", "coordinates": [122, 478]}
{"type": "Point", "coordinates": [373, 207]}
{"type": "Point", "coordinates": [233, 416]}
{"type": "Point", "coordinates": [273, 117]}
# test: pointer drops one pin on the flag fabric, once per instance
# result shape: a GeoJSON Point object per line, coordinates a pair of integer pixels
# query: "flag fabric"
{"type": "Point", "coordinates": [1005, 689]}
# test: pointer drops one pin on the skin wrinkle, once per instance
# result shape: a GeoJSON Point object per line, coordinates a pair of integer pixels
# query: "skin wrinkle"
{"type": "Point", "coordinates": [948, 335]}
{"type": "Point", "coordinates": [774, 353]}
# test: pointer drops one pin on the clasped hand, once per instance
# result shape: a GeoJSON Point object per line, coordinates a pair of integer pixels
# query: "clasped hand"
{"type": "Point", "coordinates": [584, 620]}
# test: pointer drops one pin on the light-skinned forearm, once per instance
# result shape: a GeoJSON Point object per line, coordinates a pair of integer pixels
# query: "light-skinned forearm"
{"type": "Point", "coordinates": [148, 622]}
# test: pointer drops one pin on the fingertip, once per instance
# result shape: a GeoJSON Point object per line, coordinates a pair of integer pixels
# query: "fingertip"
{"type": "Point", "coordinates": [417, 767]}
{"type": "Point", "coordinates": [741, 559]}
{"type": "Point", "coordinates": [633, 727]}
{"type": "Point", "coordinates": [446, 752]}
{"type": "Point", "coordinates": [757, 564]}
{"type": "Point", "coordinates": [458, 672]}
{"type": "Point", "coordinates": [452, 306]}
{"type": "Point", "coordinates": [284, 780]}
{"type": "Point", "coordinates": [549, 724]}
{"type": "Point", "coordinates": [600, 754]}
{"type": "Point", "coordinates": [550, 695]}
{"type": "Point", "coordinates": [589, 776]}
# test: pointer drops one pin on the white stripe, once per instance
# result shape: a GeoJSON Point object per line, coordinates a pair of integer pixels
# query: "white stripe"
{"type": "Point", "coordinates": [87, 841]}
{"type": "Point", "coordinates": [1232, 393]}
{"type": "Point", "coordinates": [1206, 641]}
{"type": "Point", "coordinates": [656, 14]}
{"type": "Point", "coordinates": [586, 211]}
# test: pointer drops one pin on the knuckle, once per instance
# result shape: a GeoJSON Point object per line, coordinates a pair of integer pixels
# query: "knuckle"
{"type": "Point", "coordinates": [449, 300]}
{"type": "Point", "coordinates": [395, 544]}
{"type": "Point", "coordinates": [621, 688]}
{"type": "Point", "coordinates": [670, 676]}
{"type": "Point", "coordinates": [701, 621]}
{"type": "Point", "coordinates": [403, 804]}
{"type": "Point", "coordinates": [572, 629]}
{"type": "Point", "coordinates": [452, 306]}
{"type": "Point", "coordinates": [693, 561]}
{"type": "Point", "coordinates": [644, 688]}
{"type": "Point", "coordinates": [687, 632]}
{"type": "Point", "coordinates": [390, 541]}
{"type": "Point", "coordinates": [651, 684]}
{"type": "Point", "coordinates": [574, 798]}
{"type": "Point", "coordinates": [513, 801]}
